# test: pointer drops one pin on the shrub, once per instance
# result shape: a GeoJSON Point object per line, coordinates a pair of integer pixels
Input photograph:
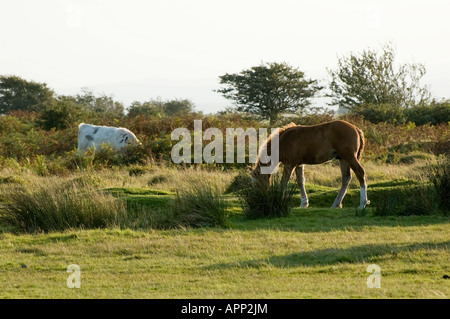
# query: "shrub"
{"type": "Point", "coordinates": [46, 206]}
{"type": "Point", "coordinates": [60, 115]}
{"type": "Point", "coordinates": [105, 155]}
{"type": "Point", "coordinates": [40, 166]}
{"type": "Point", "coordinates": [434, 113]}
{"type": "Point", "coordinates": [422, 114]}
{"type": "Point", "coordinates": [388, 113]}
{"type": "Point", "coordinates": [75, 160]}
{"type": "Point", "coordinates": [262, 200]}
{"type": "Point", "coordinates": [131, 154]}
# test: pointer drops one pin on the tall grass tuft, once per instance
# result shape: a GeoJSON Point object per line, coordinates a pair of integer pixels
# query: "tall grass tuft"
{"type": "Point", "coordinates": [239, 182]}
{"type": "Point", "coordinates": [261, 200]}
{"type": "Point", "coordinates": [430, 196]}
{"type": "Point", "coordinates": [199, 204]}
{"type": "Point", "coordinates": [439, 175]}
{"type": "Point", "coordinates": [407, 200]}
{"type": "Point", "coordinates": [45, 206]}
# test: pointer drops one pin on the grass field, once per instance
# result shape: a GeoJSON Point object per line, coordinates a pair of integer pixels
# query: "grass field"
{"type": "Point", "coordinates": [316, 253]}
{"type": "Point", "coordinates": [313, 253]}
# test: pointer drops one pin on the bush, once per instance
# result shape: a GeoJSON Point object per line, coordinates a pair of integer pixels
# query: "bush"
{"type": "Point", "coordinates": [387, 113]}
{"type": "Point", "coordinates": [76, 160]}
{"type": "Point", "coordinates": [131, 154]}
{"type": "Point", "coordinates": [60, 115]}
{"type": "Point", "coordinates": [434, 113]}
{"type": "Point", "coordinates": [262, 200]}
{"type": "Point", "coordinates": [46, 206]}
{"type": "Point", "coordinates": [40, 166]}
{"type": "Point", "coordinates": [105, 155]}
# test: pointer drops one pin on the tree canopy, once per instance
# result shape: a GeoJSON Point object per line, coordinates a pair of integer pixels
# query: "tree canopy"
{"type": "Point", "coordinates": [161, 108]}
{"type": "Point", "coordinates": [102, 104]}
{"type": "Point", "coordinates": [269, 90]}
{"type": "Point", "coordinates": [19, 94]}
{"type": "Point", "coordinates": [372, 78]}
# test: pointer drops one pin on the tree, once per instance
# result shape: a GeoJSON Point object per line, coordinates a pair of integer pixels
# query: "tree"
{"type": "Point", "coordinates": [160, 108]}
{"type": "Point", "coordinates": [61, 114]}
{"type": "Point", "coordinates": [19, 94]}
{"type": "Point", "coordinates": [371, 79]}
{"type": "Point", "coordinates": [269, 90]}
{"type": "Point", "coordinates": [178, 107]}
{"type": "Point", "coordinates": [149, 108]}
{"type": "Point", "coordinates": [102, 105]}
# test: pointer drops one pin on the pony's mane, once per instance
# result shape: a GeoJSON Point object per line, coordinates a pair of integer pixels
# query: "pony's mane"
{"type": "Point", "coordinates": [284, 128]}
{"type": "Point", "coordinates": [266, 143]}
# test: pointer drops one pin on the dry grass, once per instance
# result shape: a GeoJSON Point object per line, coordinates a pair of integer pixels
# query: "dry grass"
{"type": "Point", "coordinates": [43, 205]}
{"type": "Point", "coordinates": [329, 174]}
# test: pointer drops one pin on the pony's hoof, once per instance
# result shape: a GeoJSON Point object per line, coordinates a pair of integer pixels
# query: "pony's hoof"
{"type": "Point", "coordinates": [364, 206]}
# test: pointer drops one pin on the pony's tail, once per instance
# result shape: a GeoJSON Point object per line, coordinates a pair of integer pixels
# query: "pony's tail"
{"type": "Point", "coordinates": [362, 144]}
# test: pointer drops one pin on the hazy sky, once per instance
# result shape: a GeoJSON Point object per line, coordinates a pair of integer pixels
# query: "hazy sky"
{"type": "Point", "coordinates": [139, 50]}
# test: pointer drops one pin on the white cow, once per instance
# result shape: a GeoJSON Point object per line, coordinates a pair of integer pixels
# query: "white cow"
{"type": "Point", "coordinates": [94, 135]}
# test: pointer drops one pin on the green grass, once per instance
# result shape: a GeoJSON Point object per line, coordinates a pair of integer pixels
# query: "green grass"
{"type": "Point", "coordinates": [311, 253]}
{"type": "Point", "coordinates": [314, 253]}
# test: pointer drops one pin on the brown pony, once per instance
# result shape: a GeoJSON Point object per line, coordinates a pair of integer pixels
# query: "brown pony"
{"type": "Point", "coordinates": [316, 144]}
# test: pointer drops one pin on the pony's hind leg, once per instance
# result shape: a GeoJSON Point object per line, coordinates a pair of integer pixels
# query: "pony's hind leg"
{"type": "Point", "coordinates": [299, 172]}
{"type": "Point", "coordinates": [346, 178]}
{"type": "Point", "coordinates": [361, 175]}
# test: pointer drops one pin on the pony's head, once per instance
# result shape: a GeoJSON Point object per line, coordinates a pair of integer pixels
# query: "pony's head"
{"type": "Point", "coordinates": [256, 176]}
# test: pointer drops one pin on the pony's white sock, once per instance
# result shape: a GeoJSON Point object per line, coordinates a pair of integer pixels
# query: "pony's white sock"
{"type": "Point", "coordinates": [363, 197]}
{"type": "Point", "coordinates": [304, 202]}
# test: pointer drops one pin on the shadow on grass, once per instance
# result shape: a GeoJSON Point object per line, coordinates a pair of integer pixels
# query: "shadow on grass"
{"type": "Point", "coordinates": [313, 219]}
{"type": "Point", "coordinates": [143, 197]}
{"type": "Point", "coordinates": [333, 256]}
{"type": "Point", "coordinates": [326, 220]}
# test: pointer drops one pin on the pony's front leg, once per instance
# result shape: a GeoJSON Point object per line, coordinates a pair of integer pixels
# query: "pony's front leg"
{"type": "Point", "coordinates": [287, 172]}
{"type": "Point", "coordinates": [299, 172]}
